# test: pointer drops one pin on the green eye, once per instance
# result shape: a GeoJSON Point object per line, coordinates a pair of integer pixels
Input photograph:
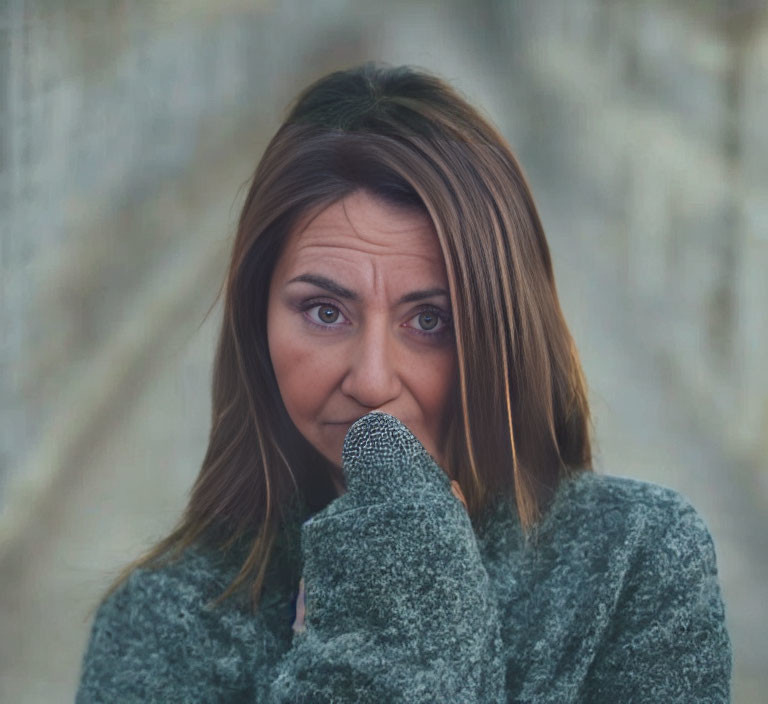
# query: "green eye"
{"type": "Point", "coordinates": [428, 320]}
{"type": "Point", "coordinates": [428, 323]}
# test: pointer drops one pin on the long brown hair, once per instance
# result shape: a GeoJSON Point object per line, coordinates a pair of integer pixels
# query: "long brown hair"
{"type": "Point", "coordinates": [520, 420]}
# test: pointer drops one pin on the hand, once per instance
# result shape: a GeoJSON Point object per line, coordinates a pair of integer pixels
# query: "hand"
{"type": "Point", "coordinates": [298, 623]}
{"type": "Point", "coordinates": [395, 599]}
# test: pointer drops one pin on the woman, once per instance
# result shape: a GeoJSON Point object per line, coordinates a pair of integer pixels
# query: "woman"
{"type": "Point", "coordinates": [397, 502]}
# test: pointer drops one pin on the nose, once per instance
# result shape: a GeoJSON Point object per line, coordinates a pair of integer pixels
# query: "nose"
{"type": "Point", "coordinates": [373, 377]}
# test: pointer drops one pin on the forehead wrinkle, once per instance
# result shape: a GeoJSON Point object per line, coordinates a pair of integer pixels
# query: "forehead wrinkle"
{"type": "Point", "coordinates": [350, 273]}
{"type": "Point", "coordinates": [312, 244]}
{"type": "Point", "coordinates": [402, 215]}
{"type": "Point", "coordinates": [318, 237]}
{"type": "Point", "coordinates": [377, 280]}
{"type": "Point", "coordinates": [355, 230]}
{"type": "Point", "coordinates": [322, 227]}
{"type": "Point", "coordinates": [303, 248]}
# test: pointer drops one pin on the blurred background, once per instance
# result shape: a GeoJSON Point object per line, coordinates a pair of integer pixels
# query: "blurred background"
{"type": "Point", "coordinates": [128, 131]}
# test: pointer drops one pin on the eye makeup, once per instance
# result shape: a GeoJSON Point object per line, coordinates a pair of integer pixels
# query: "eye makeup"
{"type": "Point", "coordinates": [443, 317]}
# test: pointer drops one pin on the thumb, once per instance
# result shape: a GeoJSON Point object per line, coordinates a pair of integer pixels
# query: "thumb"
{"type": "Point", "coordinates": [458, 493]}
{"type": "Point", "coordinates": [382, 458]}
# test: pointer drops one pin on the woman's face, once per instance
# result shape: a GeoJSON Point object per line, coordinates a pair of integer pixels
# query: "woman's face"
{"type": "Point", "coordinates": [358, 319]}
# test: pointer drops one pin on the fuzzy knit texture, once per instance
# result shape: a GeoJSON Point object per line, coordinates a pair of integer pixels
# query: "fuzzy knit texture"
{"type": "Point", "coordinates": [614, 597]}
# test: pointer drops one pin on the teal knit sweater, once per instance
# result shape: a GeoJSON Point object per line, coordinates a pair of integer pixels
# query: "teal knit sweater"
{"type": "Point", "coordinates": [613, 598]}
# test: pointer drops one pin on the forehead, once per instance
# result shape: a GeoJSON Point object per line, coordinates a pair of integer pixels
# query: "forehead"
{"type": "Point", "coordinates": [361, 224]}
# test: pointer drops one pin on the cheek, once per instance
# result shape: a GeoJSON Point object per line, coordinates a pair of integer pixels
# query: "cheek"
{"type": "Point", "coordinates": [434, 380]}
{"type": "Point", "coordinates": [303, 374]}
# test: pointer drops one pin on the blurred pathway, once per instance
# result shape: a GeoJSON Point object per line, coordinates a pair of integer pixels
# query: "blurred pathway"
{"type": "Point", "coordinates": [135, 472]}
{"type": "Point", "coordinates": [134, 480]}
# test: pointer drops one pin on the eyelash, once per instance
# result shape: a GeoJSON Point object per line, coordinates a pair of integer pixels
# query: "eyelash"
{"type": "Point", "coordinates": [446, 319]}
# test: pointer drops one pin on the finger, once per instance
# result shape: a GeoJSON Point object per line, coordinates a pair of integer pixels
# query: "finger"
{"type": "Point", "coordinates": [298, 624]}
{"type": "Point", "coordinates": [458, 493]}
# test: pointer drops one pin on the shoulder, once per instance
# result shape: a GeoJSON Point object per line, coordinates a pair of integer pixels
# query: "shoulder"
{"type": "Point", "coordinates": [600, 514]}
{"type": "Point", "coordinates": [603, 493]}
{"type": "Point", "coordinates": [666, 637]}
{"type": "Point", "coordinates": [613, 502]}
{"type": "Point", "coordinates": [641, 521]}
{"type": "Point", "coordinates": [176, 592]}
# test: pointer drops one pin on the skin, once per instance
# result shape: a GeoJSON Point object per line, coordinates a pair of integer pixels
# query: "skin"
{"type": "Point", "coordinates": [337, 359]}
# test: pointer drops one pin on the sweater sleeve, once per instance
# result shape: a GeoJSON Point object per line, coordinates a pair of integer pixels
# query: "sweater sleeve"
{"type": "Point", "coordinates": [399, 607]}
{"type": "Point", "coordinates": [669, 641]}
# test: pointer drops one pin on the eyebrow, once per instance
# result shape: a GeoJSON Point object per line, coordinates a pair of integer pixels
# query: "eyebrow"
{"type": "Point", "coordinates": [342, 292]}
